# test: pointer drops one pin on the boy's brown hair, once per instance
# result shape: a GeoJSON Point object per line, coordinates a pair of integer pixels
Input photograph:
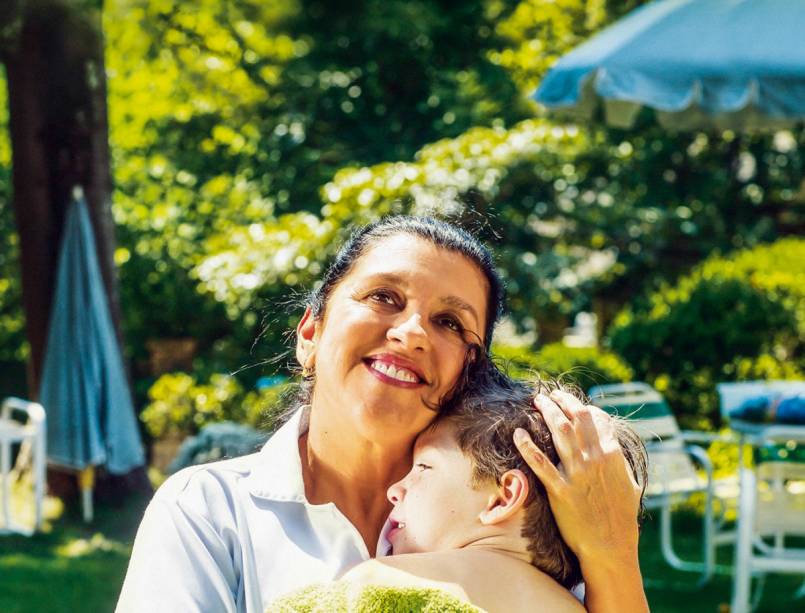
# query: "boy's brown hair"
{"type": "Point", "coordinates": [486, 416]}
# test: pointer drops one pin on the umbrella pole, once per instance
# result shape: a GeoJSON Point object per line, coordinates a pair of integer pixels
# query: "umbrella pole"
{"type": "Point", "coordinates": [86, 483]}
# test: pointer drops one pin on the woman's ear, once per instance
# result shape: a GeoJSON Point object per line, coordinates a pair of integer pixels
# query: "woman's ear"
{"type": "Point", "coordinates": [306, 337]}
{"type": "Point", "coordinates": [510, 497]}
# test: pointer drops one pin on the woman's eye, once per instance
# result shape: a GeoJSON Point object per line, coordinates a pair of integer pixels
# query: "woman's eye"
{"type": "Point", "coordinates": [451, 323]}
{"type": "Point", "coordinates": [420, 466]}
{"type": "Point", "coordinates": [382, 297]}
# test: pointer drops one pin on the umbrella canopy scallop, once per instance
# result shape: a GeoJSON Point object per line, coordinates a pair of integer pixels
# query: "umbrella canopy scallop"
{"type": "Point", "coordinates": [729, 64]}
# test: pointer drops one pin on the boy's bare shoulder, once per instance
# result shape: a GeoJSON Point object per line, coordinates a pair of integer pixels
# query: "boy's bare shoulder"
{"type": "Point", "coordinates": [490, 581]}
{"type": "Point", "coordinates": [393, 572]}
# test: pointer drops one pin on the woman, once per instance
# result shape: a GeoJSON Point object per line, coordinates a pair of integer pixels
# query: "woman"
{"type": "Point", "coordinates": [384, 341]}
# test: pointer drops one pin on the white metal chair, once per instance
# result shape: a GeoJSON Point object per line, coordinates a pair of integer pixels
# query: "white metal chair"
{"type": "Point", "coordinates": [30, 435]}
{"type": "Point", "coordinates": [772, 498]}
{"type": "Point", "coordinates": [673, 475]}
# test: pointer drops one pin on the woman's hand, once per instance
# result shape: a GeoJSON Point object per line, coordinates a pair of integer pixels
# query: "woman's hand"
{"type": "Point", "coordinates": [594, 498]}
{"type": "Point", "coordinates": [593, 493]}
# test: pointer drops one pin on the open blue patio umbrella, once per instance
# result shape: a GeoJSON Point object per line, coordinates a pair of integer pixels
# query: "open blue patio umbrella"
{"type": "Point", "coordinates": [724, 64]}
{"type": "Point", "coordinates": [84, 389]}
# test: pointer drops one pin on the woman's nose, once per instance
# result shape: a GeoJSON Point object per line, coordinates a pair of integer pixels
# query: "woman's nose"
{"type": "Point", "coordinates": [410, 332]}
{"type": "Point", "coordinates": [395, 493]}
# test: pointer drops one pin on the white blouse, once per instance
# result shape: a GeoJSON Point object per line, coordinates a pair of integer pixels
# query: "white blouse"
{"type": "Point", "coordinates": [234, 535]}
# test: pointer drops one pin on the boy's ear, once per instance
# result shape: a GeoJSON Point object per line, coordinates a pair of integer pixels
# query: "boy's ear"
{"type": "Point", "coordinates": [510, 497]}
{"type": "Point", "coordinates": [306, 337]}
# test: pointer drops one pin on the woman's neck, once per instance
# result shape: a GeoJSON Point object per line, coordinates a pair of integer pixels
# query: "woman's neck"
{"type": "Point", "coordinates": [351, 472]}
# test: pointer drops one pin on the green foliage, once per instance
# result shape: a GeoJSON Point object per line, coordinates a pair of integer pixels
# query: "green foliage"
{"type": "Point", "coordinates": [459, 176]}
{"type": "Point", "coordinates": [248, 136]}
{"type": "Point", "coordinates": [179, 404]}
{"type": "Point", "coordinates": [13, 347]}
{"type": "Point", "coordinates": [737, 317]}
{"type": "Point", "coordinates": [579, 220]}
{"type": "Point", "coordinates": [581, 366]}
{"type": "Point", "coordinates": [538, 32]}
{"type": "Point", "coordinates": [436, 183]}
{"type": "Point", "coordinates": [226, 119]}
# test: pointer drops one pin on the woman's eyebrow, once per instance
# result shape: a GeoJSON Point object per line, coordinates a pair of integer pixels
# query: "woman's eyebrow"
{"type": "Point", "coordinates": [386, 277]}
{"type": "Point", "coordinates": [458, 303]}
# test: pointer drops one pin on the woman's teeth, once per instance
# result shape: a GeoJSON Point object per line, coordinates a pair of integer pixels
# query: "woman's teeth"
{"type": "Point", "coordinates": [395, 372]}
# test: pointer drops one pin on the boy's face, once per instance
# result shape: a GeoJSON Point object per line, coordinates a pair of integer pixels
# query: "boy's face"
{"type": "Point", "coordinates": [436, 506]}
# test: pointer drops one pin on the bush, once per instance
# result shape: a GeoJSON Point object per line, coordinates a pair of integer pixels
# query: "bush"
{"type": "Point", "coordinates": [584, 367]}
{"type": "Point", "coordinates": [179, 404]}
{"type": "Point", "coordinates": [732, 318]}
{"type": "Point", "coordinates": [217, 442]}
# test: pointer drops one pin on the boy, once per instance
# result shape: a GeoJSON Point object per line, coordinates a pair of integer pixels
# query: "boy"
{"type": "Point", "coordinates": [471, 519]}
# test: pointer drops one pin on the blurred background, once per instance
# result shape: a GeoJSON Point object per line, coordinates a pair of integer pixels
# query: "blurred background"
{"type": "Point", "coordinates": [226, 147]}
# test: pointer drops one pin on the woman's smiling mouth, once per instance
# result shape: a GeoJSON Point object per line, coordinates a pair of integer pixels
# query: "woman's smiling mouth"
{"type": "Point", "coordinates": [389, 370]}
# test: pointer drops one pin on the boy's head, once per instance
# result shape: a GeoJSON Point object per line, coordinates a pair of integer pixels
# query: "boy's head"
{"type": "Point", "coordinates": [469, 483]}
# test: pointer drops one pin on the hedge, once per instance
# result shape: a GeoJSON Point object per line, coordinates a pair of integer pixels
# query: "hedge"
{"type": "Point", "coordinates": [736, 317]}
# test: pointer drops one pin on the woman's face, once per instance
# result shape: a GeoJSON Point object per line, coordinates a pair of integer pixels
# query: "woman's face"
{"type": "Point", "coordinates": [393, 339]}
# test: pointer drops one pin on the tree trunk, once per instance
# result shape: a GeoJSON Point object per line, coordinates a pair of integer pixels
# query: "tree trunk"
{"type": "Point", "coordinates": [58, 126]}
{"type": "Point", "coordinates": [59, 137]}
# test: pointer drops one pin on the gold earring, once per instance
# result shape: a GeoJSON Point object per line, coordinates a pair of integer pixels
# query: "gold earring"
{"type": "Point", "coordinates": [309, 367]}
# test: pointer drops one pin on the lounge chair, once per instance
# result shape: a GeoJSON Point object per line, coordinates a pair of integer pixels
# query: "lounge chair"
{"type": "Point", "coordinates": [674, 455]}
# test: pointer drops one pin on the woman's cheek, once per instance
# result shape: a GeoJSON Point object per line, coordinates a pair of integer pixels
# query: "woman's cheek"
{"type": "Point", "coordinates": [456, 361]}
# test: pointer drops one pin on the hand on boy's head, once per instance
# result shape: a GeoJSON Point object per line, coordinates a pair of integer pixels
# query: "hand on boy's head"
{"type": "Point", "coordinates": [593, 463]}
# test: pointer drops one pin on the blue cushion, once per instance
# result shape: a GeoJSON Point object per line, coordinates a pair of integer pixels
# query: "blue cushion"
{"type": "Point", "coordinates": [772, 408]}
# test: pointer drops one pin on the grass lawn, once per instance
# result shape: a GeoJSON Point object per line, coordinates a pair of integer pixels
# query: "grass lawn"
{"type": "Point", "coordinates": [670, 590]}
{"type": "Point", "coordinates": [75, 567]}
{"type": "Point", "coordinates": [72, 566]}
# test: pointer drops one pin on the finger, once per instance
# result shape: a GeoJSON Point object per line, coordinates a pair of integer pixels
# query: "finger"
{"type": "Point", "coordinates": [569, 404]}
{"type": "Point", "coordinates": [606, 426]}
{"type": "Point", "coordinates": [561, 429]}
{"type": "Point", "coordinates": [546, 472]}
{"type": "Point", "coordinates": [586, 421]}
{"type": "Point", "coordinates": [607, 433]}
{"type": "Point", "coordinates": [588, 433]}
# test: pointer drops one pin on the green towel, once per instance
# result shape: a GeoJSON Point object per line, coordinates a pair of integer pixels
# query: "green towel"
{"type": "Point", "coordinates": [344, 597]}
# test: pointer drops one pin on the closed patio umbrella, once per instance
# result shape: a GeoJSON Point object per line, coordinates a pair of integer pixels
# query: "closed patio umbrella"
{"type": "Point", "coordinates": [84, 389]}
{"type": "Point", "coordinates": [724, 64]}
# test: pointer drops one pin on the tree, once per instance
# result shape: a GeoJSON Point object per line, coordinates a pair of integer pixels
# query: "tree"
{"type": "Point", "coordinates": [230, 115]}
{"type": "Point", "coordinates": [583, 217]}
{"type": "Point", "coordinates": [54, 63]}
{"type": "Point", "coordinates": [12, 322]}
{"type": "Point", "coordinates": [247, 136]}
{"type": "Point", "coordinates": [57, 123]}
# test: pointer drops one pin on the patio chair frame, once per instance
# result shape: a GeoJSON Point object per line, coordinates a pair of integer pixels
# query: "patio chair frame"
{"type": "Point", "coordinates": [32, 440]}
{"type": "Point", "coordinates": [754, 557]}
